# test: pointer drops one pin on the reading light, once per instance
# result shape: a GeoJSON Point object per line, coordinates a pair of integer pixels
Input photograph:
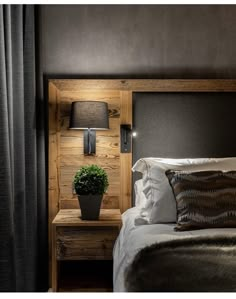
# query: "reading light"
{"type": "Point", "coordinates": [126, 134]}
{"type": "Point", "coordinates": [89, 116]}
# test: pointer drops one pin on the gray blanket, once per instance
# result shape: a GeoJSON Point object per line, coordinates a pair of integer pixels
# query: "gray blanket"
{"type": "Point", "coordinates": [200, 264]}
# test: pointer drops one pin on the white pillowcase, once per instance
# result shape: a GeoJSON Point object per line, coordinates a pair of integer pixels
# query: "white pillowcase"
{"type": "Point", "coordinates": [140, 198]}
{"type": "Point", "coordinates": [160, 204]}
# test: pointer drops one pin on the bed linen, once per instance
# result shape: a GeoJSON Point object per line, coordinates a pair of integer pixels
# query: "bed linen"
{"type": "Point", "coordinates": [133, 238]}
{"type": "Point", "coordinates": [160, 205]}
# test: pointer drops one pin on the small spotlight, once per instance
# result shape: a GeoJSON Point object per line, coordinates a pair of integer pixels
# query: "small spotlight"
{"type": "Point", "coordinates": [134, 134]}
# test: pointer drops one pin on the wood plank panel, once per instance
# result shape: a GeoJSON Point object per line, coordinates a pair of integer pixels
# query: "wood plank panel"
{"type": "Point", "coordinates": [108, 202]}
{"type": "Point", "coordinates": [77, 239]}
{"type": "Point", "coordinates": [70, 251]}
{"type": "Point", "coordinates": [53, 152]}
{"type": "Point", "coordinates": [109, 163]}
{"type": "Point", "coordinates": [93, 94]}
{"type": "Point", "coordinates": [125, 158]}
{"type": "Point", "coordinates": [159, 85]}
{"type": "Point", "coordinates": [86, 234]}
{"type": "Point", "coordinates": [72, 217]}
{"type": "Point", "coordinates": [53, 262]}
{"type": "Point", "coordinates": [77, 151]}
{"type": "Point", "coordinates": [67, 190]}
{"type": "Point", "coordinates": [68, 173]}
{"type": "Point", "coordinates": [104, 145]}
{"type": "Point", "coordinates": [53, 161]}
{"type": "Point", "coordinates": [107, 146]}
{"type": "Point", "coordinates": [79, 243]}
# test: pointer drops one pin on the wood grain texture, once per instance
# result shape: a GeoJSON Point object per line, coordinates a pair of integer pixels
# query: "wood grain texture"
{"type": "Point", "coordinates": [108, 202]}
{"type": "Point", "coordinates": [53, 154]}
{"type": "Point", "coordinates": [83, 243]}
{"type": "Point", "coordinates": [72, 217]}
{"type": "Point", "coordinates": [125, 158]}
{"type": "Point", "coordinates": [158, 85]}
{"type": "Point", "coordinates": [54, 263]}
{"type": "Point", "coordinates": [107, 146]}
{"type": "Point", "coordinates": [77, 239]}
{"type": "Point", "coordinates": [53, 171]}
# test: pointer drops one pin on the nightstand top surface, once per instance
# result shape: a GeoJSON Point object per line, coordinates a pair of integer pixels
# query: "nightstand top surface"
{"type": "Point", "coordinates": [71, 217]}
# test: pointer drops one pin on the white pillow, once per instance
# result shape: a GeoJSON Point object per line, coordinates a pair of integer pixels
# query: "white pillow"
{"type": "Point", "coordinates": [140, 198]}
{"type": "Point", "coordinates": [160, 206]}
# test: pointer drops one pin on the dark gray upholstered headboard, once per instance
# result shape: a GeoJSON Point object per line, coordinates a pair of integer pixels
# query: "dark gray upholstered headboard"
{"type": "Point", "coordinates": [181, 125]}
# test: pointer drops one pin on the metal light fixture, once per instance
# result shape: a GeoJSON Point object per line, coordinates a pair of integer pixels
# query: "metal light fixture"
{"type": "Point", "coordinates": [126, 135]}
{"type": "Point", "coordinates": [125, 138]}
{"type": "Point", "coordinates": [89, 116]}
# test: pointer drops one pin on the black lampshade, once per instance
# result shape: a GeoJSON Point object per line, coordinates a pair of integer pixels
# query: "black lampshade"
{"type": "Point", "coordinates": [89, 115]}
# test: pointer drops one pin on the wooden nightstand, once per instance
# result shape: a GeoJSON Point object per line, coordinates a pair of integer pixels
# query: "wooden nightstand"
{"type": "Point", "coordinates": [76, 239]}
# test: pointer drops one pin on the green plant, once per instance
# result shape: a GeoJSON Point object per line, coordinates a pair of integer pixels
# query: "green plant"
{"type": "Point", "coordinates": [90, 179]}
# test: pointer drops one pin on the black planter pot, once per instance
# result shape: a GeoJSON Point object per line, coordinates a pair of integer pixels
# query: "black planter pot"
{"type": "Point", "coordinates": [90, 206]}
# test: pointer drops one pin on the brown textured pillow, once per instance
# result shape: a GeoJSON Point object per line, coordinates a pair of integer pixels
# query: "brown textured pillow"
{"type": "Point", "coordinates": [205, 199]}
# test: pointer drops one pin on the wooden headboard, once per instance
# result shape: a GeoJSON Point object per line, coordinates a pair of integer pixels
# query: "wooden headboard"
{"type": "Point", "coordinates": [66, 146]}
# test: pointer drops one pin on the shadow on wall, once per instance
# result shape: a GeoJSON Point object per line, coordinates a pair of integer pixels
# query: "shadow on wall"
{"type": "Point", "coordinates": [153, 73]}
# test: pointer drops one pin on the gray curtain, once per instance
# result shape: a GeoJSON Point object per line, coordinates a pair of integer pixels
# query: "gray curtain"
{"type": "Point", "coordinates": [22, 170]}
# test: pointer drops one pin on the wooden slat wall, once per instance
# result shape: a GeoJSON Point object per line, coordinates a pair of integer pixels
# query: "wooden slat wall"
{"type": "Point", "coordinates": [107, 148]}
{"type": "Point", "coordinates": [53, 162]}
{"type": "Point", "coordinates": [66, 146]}
{"type": "Point", "coordinates": [126, 158]}
{"type": "Point", "coordinates": [152, 85]}
{"type": "Point", "coordinates": [53, 156]}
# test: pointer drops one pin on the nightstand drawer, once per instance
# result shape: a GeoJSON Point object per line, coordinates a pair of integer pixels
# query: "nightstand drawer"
{"type": "Point", "coordinates": [83, 243]}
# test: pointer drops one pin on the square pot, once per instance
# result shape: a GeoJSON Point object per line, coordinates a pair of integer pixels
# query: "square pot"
{"type": "Point", "coordinates": [90, 206]}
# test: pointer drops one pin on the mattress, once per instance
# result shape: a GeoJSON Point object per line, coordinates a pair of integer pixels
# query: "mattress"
{"type": "Point", "coordinates": [133, 238]}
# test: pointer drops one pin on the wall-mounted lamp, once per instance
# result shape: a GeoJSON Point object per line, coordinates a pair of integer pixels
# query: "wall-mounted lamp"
{"type": "Point", "coordinates": [89, 116]}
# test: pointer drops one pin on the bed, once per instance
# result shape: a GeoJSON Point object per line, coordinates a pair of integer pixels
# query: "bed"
{"type": "Point", "coordinates": [181, 234]}
{"type": "Point", "coordinates": [133, 239]}
{"type": "Point", "coordinates": [157, 250]}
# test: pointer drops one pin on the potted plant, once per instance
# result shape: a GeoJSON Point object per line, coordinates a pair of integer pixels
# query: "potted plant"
{"type": "Point", "coordinates": [90, 183]}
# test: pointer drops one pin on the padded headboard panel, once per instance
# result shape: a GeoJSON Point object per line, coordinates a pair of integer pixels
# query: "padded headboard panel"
{"type": "Point", "coordinates": [180, 125]}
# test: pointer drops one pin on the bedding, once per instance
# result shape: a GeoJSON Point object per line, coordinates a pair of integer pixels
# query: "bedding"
{"type": "Point", "coordinates": [140, 198]}
{"type": "Point", "coordinates": [202, 264]}
{"type": "Point", "coordinates": [160, 206]}
{"type": "Point", "coordinates": [132, 239]}
{"type": "Point", "coordinates": [204, 199]}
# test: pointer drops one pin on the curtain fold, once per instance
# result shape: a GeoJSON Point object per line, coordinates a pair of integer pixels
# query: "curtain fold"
{"type": "Point", "coordinates": [19, 166]}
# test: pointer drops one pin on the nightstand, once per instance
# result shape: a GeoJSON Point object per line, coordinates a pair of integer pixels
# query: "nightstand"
{"type": "Point", "coordinates": [76, 239]}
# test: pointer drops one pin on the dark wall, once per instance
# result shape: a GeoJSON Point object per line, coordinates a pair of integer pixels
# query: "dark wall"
{"type": "Point", "coordinates": [161, 41]}
{"type": "Point", "coordinates": [184, 125]}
